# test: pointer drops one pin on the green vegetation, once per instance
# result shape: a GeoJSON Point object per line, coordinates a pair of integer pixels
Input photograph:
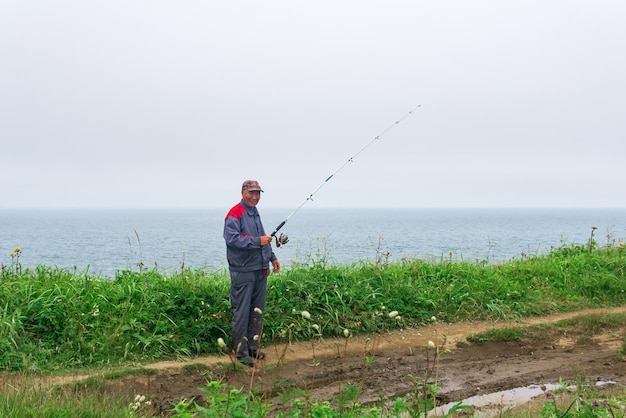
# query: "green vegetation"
{"type": "Point", "coordinates": [580, 326]}
{"type": "Point", "coordinates": [56, 320]}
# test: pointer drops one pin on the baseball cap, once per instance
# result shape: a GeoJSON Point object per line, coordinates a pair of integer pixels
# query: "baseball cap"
{"type": "Point", "coordinates": [251, 185]}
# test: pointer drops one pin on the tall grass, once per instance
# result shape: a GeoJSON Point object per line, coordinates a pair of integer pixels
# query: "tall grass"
{"type": "Point", "coordinates": [27, 396]}
{"type": "Point", "coordinates": [55, 319]}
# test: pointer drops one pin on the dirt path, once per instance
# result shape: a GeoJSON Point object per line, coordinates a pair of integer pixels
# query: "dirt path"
{"type": "Point", "coordinates": [463, 371]}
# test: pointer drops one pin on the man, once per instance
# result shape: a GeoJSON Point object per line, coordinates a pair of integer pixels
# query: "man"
{"type": "Point", "coordinates": [249, 253]}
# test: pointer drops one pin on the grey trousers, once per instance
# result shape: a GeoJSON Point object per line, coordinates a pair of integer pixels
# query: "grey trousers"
{"type": "Point", "coordinates": [248, 290]}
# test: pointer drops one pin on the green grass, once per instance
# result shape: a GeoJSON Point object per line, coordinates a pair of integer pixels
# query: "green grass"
{"type": "Point", "coordinates": [32, 398]}
{"type": "Point", "coordinates": [52, 319]}
{"type": "Point", "coordinates": [584, 325]}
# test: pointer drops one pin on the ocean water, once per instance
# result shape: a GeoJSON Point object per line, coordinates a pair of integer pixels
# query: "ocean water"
{"type": "Point", "coordinates": [102, 241]}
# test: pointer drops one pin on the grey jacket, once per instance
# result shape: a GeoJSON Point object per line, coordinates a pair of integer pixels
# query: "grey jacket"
{"type": "Point", "coordinates": [242, 232]}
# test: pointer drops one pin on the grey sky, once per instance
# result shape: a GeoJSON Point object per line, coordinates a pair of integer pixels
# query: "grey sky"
{"type": "Point", "coordinates": [175, 103]}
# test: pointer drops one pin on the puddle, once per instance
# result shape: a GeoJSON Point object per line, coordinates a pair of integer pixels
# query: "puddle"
{"type": "Point", "coordinates": [492, 404]}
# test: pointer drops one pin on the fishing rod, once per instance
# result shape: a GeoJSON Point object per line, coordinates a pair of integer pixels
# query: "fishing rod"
{"type": "Point", "coordinates": [283, 239]}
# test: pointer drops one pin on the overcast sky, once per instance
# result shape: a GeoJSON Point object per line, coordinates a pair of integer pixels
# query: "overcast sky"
{"type": "Point", "coordinates": [174, 103]}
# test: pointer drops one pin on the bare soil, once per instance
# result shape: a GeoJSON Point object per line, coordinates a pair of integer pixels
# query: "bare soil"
{"type": "Point", "coordinates": [382, 364]}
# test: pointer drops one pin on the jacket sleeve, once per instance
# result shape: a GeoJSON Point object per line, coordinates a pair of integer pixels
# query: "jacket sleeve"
{"type": "Point", "coordinates": [235, 238]}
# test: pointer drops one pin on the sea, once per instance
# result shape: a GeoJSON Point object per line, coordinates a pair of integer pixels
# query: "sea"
{"type": "Point", "coordinates": [103, 242]}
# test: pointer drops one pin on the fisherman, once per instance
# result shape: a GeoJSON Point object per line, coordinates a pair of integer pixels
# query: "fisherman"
{"type": "Point", "coordinates": [249, 253]}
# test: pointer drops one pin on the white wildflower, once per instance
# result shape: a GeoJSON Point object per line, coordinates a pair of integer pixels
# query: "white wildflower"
{"type": "Point", "coordinates": [258, 310]}
{"type": "Point", "coordinates": [431, 344]}
{"type": "Point", "coordinates": [306, 315]}
{"type": "Point", "coordinates": [393, 314]}
{"type": "Point", "coordinates": [139, 399]}
{"type": "Point", "coordinates": [221, 343]}
{"type": "Point", "coordinates": [346, 333]}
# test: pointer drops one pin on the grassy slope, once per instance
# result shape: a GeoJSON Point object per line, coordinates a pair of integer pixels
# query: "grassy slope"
{"type": "Point", "coordinates": [53, 319]}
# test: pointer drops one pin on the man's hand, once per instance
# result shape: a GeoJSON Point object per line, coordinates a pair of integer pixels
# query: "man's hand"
{"type": "Point", "coordinates": [276, 265]}
{"type": "Point", "coordinates": [266, 240]}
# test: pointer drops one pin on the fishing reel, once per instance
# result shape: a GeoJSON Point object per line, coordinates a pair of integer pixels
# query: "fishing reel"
{"type": "Point", "coordinates": [282, 239]}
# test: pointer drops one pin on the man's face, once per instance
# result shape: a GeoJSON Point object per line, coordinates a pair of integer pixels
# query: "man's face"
{"type": "Point", "coordinates": [251, 198]}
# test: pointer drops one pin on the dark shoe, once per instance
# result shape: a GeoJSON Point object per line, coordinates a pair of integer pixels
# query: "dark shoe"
{"type": "Point", "coordinates": [247, 360]}
{"type": "Point", "coordinates": [257, 354]}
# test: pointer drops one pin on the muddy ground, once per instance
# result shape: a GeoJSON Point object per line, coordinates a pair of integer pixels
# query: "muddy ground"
{"type": "Point", "coordinates": [464, 369]}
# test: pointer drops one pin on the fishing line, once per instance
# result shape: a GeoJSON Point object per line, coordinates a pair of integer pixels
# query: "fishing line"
{"type": "Point", "coordinates": [283, 238]}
